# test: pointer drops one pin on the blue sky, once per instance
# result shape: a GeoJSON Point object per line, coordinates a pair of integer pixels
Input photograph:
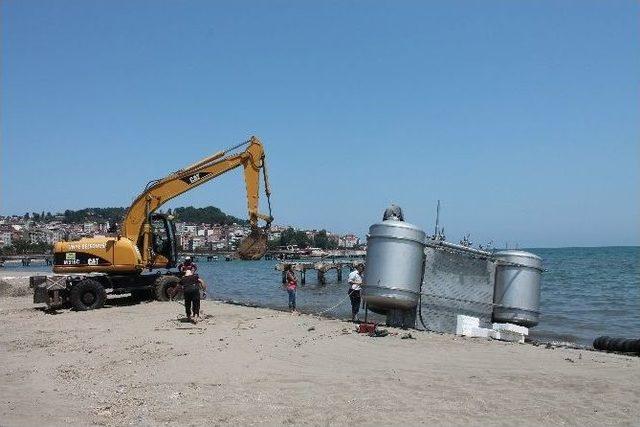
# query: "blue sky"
{"type": "Point", "coordinates": [522, 117]}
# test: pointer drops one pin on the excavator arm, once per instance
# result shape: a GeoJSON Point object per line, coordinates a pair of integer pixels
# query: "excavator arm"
{"type": "Point", "coordinates": [136, 225]}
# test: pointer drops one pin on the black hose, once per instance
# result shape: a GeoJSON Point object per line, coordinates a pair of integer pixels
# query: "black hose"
{"type": "Point", "coordinates": [424, 261]}
{"type": "Point", "coordinates": [420, 310]}
{"type": "Point", "coordinates": [622, 345]}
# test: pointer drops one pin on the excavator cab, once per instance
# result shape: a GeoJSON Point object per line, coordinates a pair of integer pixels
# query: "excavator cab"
{"type": "Point", "coordinates": [163, 241]}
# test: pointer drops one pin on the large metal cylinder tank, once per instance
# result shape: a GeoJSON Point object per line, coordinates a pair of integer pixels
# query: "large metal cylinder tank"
{"type": "Point", "coordinates": [394, 266]}
{"type": "Point", "coordinates": [517, 288]}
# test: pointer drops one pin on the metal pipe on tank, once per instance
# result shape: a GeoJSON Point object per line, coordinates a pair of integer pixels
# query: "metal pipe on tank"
{"type": "Point", "coordinates": [442, 243]}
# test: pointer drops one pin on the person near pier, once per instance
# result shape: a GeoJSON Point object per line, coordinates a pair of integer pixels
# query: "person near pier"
{"type": "Point", "coordinates": [192, 285]}
{"type": "Point", "coordinates": [355, 286]}
{"type": "Point", "coordinates": [188, 264]}
{"type": "Point", "coordinates": [292, 287]}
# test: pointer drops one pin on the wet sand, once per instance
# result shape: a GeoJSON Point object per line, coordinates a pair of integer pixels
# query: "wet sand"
{"type": "Point", "coordinates": [138, 364]}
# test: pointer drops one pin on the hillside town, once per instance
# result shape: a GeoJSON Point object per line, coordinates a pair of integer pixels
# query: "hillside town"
{"type": "Point", "coordinates": [33, 233]}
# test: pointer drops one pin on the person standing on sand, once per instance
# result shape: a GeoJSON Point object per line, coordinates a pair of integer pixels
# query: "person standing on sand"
{"type": "Point", "coordinates": [292, 286]}
{"type": "Point", "coordinates": [191, 286]}
{"type": "Point", "coordinates": [355, 286]}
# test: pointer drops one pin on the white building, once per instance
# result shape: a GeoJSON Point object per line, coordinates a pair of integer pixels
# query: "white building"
{"type": "Point", "coordinates": [273, 236]}
{"type": "Point", "coordinates": [197, 242]}
{"type": "Point", "coordinates": [5, 238]}
{"type": "Point", "coordinates": [185, 240]}
{"type": "Point", "coordinates": [349, 241]}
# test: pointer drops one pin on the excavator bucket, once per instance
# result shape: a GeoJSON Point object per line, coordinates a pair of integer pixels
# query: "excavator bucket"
{"type": "Point", "coordinates": [254, 246]}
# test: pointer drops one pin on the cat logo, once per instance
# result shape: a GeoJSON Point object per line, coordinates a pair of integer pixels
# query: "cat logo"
{"type": "Point", "coordinates": [192, 179]}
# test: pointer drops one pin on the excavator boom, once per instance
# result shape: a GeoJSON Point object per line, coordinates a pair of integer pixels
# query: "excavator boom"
{"type": "Point", "coordinates": [140, 243]}
{"type": "Point", "coordinates": [136, 224]}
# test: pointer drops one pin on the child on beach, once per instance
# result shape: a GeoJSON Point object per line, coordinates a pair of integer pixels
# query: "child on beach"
{"type": "Point", "coordinates": [292, 286]}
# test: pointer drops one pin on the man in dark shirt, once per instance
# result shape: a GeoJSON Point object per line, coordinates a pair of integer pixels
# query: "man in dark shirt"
{"type": "Point", "coordinates": [191, 285]}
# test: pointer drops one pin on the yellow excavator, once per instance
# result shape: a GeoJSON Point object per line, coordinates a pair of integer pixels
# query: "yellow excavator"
{"type": "Point", "coordinates": [141, 256]}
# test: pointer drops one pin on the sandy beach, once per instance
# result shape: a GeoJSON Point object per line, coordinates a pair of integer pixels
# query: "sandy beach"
{"type": "Point", "coordinates": [137, 363]}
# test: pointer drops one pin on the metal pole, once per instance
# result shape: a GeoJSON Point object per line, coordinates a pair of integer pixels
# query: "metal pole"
{"type": "Point", "coordinates": [437, 219]}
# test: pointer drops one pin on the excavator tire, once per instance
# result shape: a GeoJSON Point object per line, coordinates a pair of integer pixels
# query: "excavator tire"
{"type": "Point", "coordinates": [87, 294]}
{"type": "Point", "coordinates": [162, 286]}
{"type": "Point", "coordinates": [254, 246]}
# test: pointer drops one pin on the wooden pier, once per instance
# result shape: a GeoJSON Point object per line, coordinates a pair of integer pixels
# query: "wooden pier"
{"type": "Point", "coordinates": [320, 267]}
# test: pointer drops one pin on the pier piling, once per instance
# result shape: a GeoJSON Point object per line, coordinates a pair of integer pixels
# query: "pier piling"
{"type": "Point", "coordinates": [321, 269]}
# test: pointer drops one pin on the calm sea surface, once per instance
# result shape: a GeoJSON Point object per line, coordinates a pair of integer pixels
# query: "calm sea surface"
{"type": "Point", "coordinates": [586, 292]}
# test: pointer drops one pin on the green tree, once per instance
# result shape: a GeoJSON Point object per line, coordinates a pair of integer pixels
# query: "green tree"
{"type": "Point", "coordinates": [21, 246]}
{"type": "Point", "coordinates": [40, 248]}
{"type": "Point", "coordinates": [293, 237]}
{"type": "Point", "coordinates": [302, 239]}
{"type": "Point", "coordinates": [322, 241]}
{"type": "Point", "coordinates": [333, 244]}
{"type": "Point", "coordinates": [287, 237]}
{"type": "Point", "coordinates": [94, 214]}
{"type": "Point", "coordinates": [273, 244]}
{"type": "Point", "coordinates": [206, 215]}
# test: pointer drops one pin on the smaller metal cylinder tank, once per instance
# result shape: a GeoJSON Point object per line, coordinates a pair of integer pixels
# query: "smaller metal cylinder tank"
{"type": "Point", "coordinates": [517, 288]}
{"type": "Point", "coordinates": [394, 266]}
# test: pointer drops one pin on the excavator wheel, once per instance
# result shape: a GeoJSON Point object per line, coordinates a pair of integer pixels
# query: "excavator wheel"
{"type": "Point", "coordinates": [87, 294]}
{"type": "Point", "coordinates": [254, 246]}
{"type": "Point", "coordinates": [164, 285]}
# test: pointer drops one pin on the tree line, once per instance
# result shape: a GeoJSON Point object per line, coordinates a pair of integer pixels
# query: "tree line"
{"type": "Point", "coordinates": [38, 216]}
{"type": "Point", "coordinates": [207, 215]}
{"type": "Point", "coordinates": [22, 247]}
{"type": "Point", "coordinates": [290, 237]}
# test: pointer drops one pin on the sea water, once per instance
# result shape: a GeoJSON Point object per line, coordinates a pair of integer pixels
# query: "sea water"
{"type": "Point", "coordinates": [585, 292]}
{"type": "Point", "coordinates": [589, 292]}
